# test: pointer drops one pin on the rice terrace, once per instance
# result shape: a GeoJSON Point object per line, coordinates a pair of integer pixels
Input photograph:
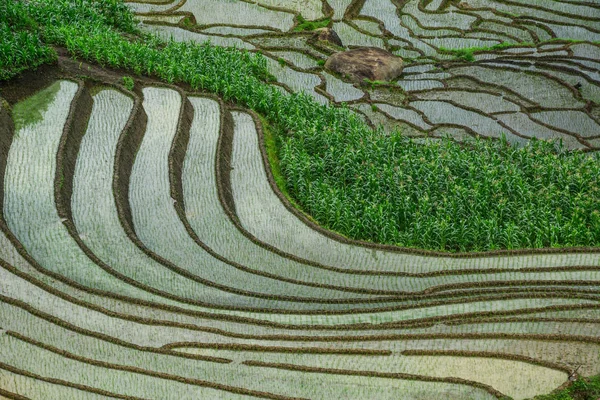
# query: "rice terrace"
{"type": "Point", "coordinates": [300, 199]}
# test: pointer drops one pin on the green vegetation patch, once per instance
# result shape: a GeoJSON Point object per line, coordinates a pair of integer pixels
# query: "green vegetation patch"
{"type": "Point", "coordinates": [441, 196]}
{"type": "Point", "coordinates": [304, 25]}
{"type": "Point", "coordinates": [467, 53]}
{"type": "Point", "coordinates": [581, 389]}
{"type": "Point", "coordinates": [272, 146]}
{"type": "Point", "coordinates": [128, 82]}
{"type": "Point", "coordinates": [20, 45]}
{"type": "Point", "coordinates": [374, 84]}
{"type": "Point", "coordinates": [360, 182]}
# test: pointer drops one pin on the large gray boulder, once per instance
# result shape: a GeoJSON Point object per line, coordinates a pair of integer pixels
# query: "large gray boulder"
{"type": "Point", "coordinates": [366, 63]}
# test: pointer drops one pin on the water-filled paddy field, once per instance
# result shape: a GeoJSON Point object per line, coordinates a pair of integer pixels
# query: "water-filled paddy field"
{"type": "Point", "coordinates": [536, 73]}
{"type": "Point", "coordinates": [149, 250]}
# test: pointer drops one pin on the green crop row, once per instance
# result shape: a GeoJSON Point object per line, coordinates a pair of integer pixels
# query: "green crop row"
{"type": "Point", "coordinates": [390, 189]}
{"type": "Point", "coordinates": [358, 181]}
{"type": "Point", "coordinates": [20, 45]}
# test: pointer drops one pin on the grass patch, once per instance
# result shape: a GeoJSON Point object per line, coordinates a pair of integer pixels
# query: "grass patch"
{"type": "Point", "coordinates": [568, 40]}
{"type": "Point", "coordinates": [188, 22]}
{"type": "Point", "coordinates": [462, 54]}
{"type": "Point", "coordinates": [467, 54]}
{"type": "Point", "coordinates": [304, 25]}
{"type": "Point", "coordinates": [272, 153]}
{"type": "Point", "coordinates": [271, 135]}
{"type": "Point", "coordinates": [128, 82]}
{"type": "Point", "coordinates": [374, 84]}
{"type": "Point", "coordinates": [581, 389]}
{"type": "Point", "coordinates": [363, 183]}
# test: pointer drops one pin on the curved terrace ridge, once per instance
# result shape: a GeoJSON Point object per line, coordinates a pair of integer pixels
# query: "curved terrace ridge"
{"type": "Point", "coordinates": [164, 221]}
{"type": "Point", "coordinates": [89, 149]}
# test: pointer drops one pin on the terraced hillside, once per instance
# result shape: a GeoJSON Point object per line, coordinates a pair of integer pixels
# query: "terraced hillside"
{"type": "Point", "coordinates": [473, 68]}
{"type": "Point", "coordinates": [146, 253]}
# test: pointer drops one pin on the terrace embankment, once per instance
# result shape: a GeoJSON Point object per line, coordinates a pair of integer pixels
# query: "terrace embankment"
{"type": "Point", "coordinates": [127, 148]}
{"type": "Point", "coordinates": [223, 162]}
{"type": "Point", "coordinates": [68, 150]}
{"type": "Point", "coordinates": [7, 129]}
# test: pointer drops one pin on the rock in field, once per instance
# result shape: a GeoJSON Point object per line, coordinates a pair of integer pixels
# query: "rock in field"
{"type": "Point", "coordinates": [366, 63]}
{"type": "Point", "coordinates": [328, 35]}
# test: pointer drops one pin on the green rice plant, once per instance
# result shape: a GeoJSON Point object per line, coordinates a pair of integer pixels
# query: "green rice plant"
{"type": "Point", "coordinates": [437, 190]}
{"type": "Point", "coordinates": [20, 51]}
{"type": "Point", "coordinates": [272, 135]}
